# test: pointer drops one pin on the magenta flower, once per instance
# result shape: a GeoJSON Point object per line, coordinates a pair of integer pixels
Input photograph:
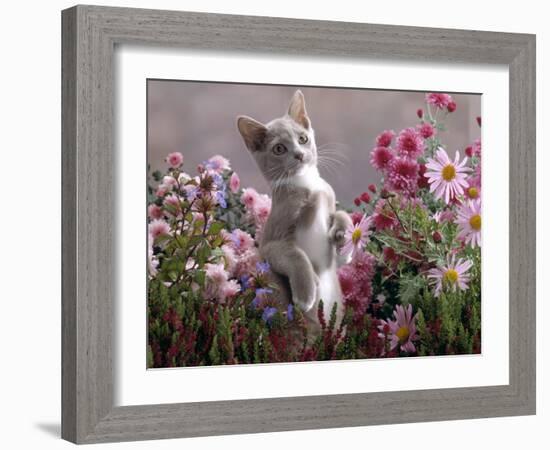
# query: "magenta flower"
{"type": "Point", "coordinates": [380, 157]}
{"type": "Point", "coordinates": [234, 183]}
{"type": "Point", "coordinates": [438, 100]}
{"type": "Point", "coordinates": [426, 130]}
{"type": "Point", "coordinates": [384, 139]}
{"type": "Point", "coordinates": [355, 236]}
{"type": "Point", "coordinates": [175, 159]}
{"type": "Point", "coordinates": [447, 178]}
{"type": "Point", "coordinates": [356, 282]}
{"type": "Point", "coordinates": [452, 276]}
{"type": "Point", "coordinates": [402, 175]}
{"type": "Point", "coordinates": [410, 143]}
{"type": "Point", "coordinates": [158, 227]}
{"type": "Point", "coordinates": [402, 330]}
{"type": "Point", "coordinates": [469, 222]}
{"type": "Point", "coordinates": [383, 216]}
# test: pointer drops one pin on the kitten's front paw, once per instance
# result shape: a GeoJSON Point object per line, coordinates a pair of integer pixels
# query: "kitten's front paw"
{"type": "Point", "coordinates": [340, 222]}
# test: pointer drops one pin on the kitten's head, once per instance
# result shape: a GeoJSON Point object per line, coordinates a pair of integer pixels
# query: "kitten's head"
{"type": "Point", "coordinates": [283, 147]}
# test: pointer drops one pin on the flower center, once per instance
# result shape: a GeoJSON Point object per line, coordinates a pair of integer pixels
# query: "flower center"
{"type": "Point", "coordinates": [403, 334]}
{"type": "Point", "coordinates": [451, 276]}
{"type": "Point", "coordinates": [475, 222]}
{"type": "Point", "coordinates": [473, 192]}
{"type": "Point", "coordinates": [448, 172]}
{"type": "Point", "coordinates": [356, 235]}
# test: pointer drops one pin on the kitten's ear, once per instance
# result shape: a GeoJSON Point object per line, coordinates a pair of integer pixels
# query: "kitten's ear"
{"type": "Point", "coordinates": [252, 131]}
{"type": "Point", "coordinates": [297, 109]}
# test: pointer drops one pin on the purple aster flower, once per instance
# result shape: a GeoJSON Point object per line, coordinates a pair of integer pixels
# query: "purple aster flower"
{"type": "Point", "coordinates": [245, 282]}
{"type": "Point", "coordinates": [261, 294]}
{"type": "Point", "coordinates": [290, 312]}
{"type": "Point", "coordinates": [268, 314]}
{"type": "Point", "coordinates": [262, 267]}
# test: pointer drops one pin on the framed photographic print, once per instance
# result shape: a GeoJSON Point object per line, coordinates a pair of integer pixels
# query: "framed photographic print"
{"type": "Point", "coordinates": [267, 230]}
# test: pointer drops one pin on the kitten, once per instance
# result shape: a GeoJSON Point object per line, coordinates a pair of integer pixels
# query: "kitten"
{"type": "Point", "coordinates": [304, 231]}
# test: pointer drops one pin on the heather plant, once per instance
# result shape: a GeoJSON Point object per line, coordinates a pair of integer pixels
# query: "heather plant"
{"type": "Point", "coordinates": [412, 286]}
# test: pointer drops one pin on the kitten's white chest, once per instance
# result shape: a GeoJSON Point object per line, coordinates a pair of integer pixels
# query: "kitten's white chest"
{"type": "Point", "coordinates": [313, 238]}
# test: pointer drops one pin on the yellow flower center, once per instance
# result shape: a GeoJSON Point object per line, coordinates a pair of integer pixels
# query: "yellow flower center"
{"type": "Point", "coordinates": [451, 276]}
{"type": "Point", "coordinates": [473, 192]}
{"type": "Point", "coordinates": [448, 172]}
{"type": "Point", "coordinates": [475, 222]}
{"type": "Point", "coordinates": [356, 235]}
{"type": "Point", "coordinates": [403, 334]}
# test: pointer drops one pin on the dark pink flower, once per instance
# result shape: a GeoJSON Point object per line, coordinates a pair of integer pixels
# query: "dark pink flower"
{"type": "Point", "coordinates": [426, 130]}
{"type": "Point", "coordinates": [384, 139]}
{"type": "Point", "coordinates": [439, 100]}
{"type": "Point", "coordinates": [410, 143]}
{"type": "Point", "coordinates": [380, 157]}
{"type": "Point", "coordinates": [356, 282]}
{"type": "Point", "coordinates": [383, 216]}
{"type": "Point", "coordinates": [365, 197]}
{"type": "Point", "coordinates": [420, 113]}
{"type": "Point", "coordinates": [478, 119]}
{"type": "Point", "coordinates": [357, 201]}
{"type": "Point", "coordinates": [356, 217]}
{"type": "Point", "coordinates": [451, 107]}
{"type": "Point", "coordinates": [372, 188]}
{"type": "Point", "coordinates": [403, 175]}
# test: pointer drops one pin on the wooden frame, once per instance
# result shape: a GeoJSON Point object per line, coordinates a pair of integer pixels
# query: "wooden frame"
{"type": "Point", "coordinates": [90, 34]}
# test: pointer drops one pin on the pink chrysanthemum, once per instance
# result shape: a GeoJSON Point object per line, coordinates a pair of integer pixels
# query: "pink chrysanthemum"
{"type": "Point", "coordinates": [380, 157]}
{"type": "Point", "coordinates": [410, 143]}
{"type": "Point", "coordinates": [402, 330]}
{"type": "Point", "coordinates": [426, 130]}
{"type": "Point", "coordinates": [444, 216]}
{"type": "Point", "coordinates": [175, 159]}
{"type": "Point", "coordinates": [249, 197]}
{"type": "Point", "coordinates": [154, 211]}
{"type": "Point", "coordinates": [383, 216]}
{"type": "Point", "coordinates": [172, 205]}
{"type": "Point", "coordinates": [402, 175]}
{"type": "Point", "coordinates": [384, 139]}
{"type": "Point", "coordinates": [447, 178]}
{"type": "Point", "coordinates": [234, 183]}
{"type": "Point", "coordinates": [451, 277]}
{"type": "Point", "coordinates": [158, 227]}
{"type": "Point", "coordinates": [228, 289]}
{"type": "Point", "coordinates": [438, 100]}
{"type": "Point", "coordinates": [218, 164]}
{"type": "Point", "coordinates": [356, 282]}
{"type": "Point", "coordinates": [355, 236]}
{"type": "Point", "coordinates": [469, 222]}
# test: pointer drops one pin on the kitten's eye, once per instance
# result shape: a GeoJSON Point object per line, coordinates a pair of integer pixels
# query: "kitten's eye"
{"type": "Point", "coordinates": [302, 139]}
{"type": "Point", "coordinates": [279, 149]}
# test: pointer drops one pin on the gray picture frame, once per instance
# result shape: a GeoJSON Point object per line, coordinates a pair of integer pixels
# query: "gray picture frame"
{"type": "Point", "coordinates": [90, 34]}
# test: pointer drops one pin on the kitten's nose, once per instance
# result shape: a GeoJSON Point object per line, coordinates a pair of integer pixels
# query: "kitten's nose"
{"type": "Point", "coordinates": [299, 156]}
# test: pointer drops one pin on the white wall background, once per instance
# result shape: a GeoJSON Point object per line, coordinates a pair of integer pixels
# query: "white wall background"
{"type": "Point", "coordinates": [30, 222]}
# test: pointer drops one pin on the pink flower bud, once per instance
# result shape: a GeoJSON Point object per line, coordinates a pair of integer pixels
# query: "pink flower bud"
{"type": "Point", "coordinates": [420, 113]}
{"type": "Point", "coordinates": [437, 237]}
{"type": "Point", "coordinates": [372, 188]}
{"type": "Point", "coordinates": [365, 197]}
{"type": "Point", "coordinates": [451, 107]}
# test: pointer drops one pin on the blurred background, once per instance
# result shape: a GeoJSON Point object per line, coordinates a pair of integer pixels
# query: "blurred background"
{"type": "Point", "coordinates": [198, 119]}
